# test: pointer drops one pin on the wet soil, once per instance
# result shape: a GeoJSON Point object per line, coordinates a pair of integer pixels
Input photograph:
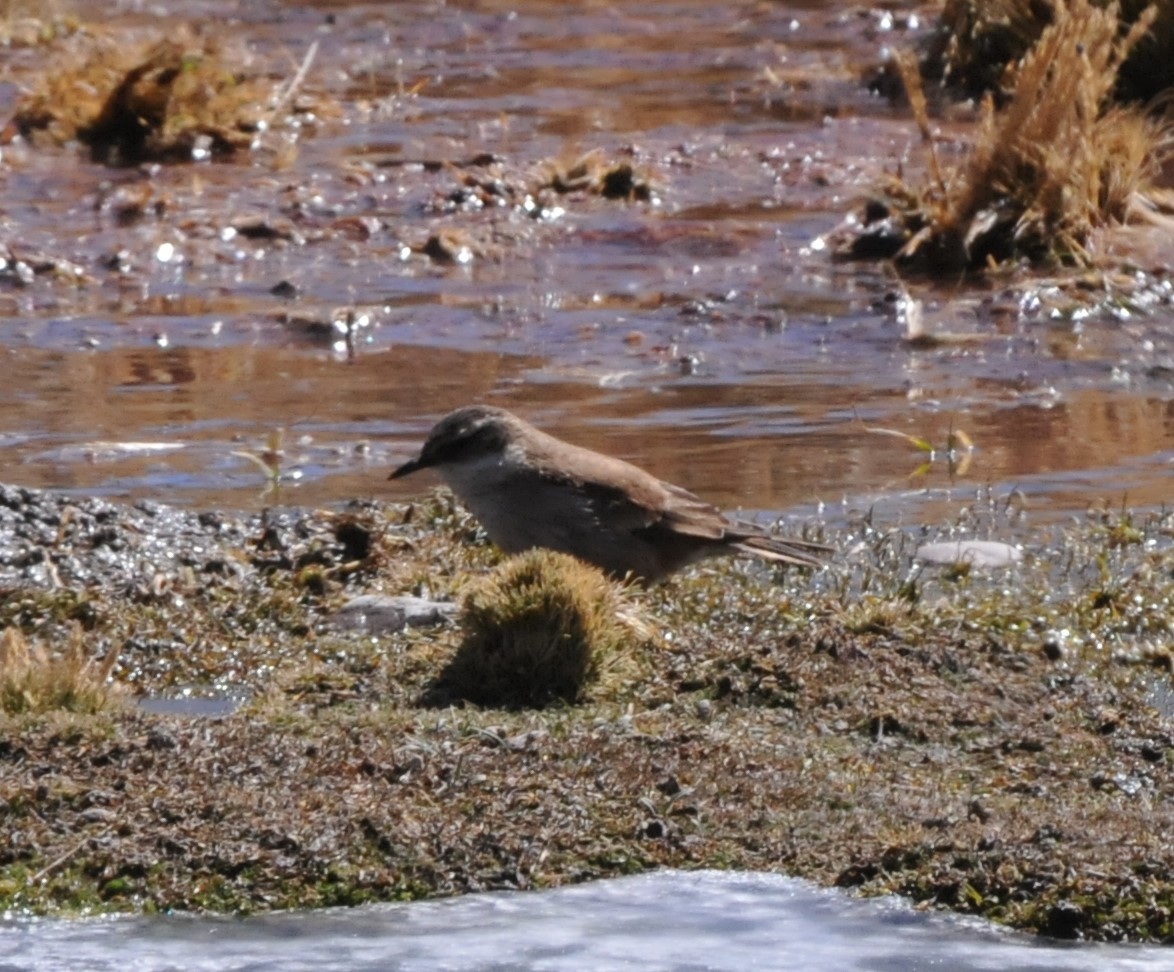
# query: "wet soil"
{"type": "Point", "coordinates": [993, 743]}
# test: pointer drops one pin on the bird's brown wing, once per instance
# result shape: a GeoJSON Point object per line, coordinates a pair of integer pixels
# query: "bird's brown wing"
{"type": "Point", "coordinates": [633, 501]}
{"type": "Point", "coordinates": [630, 498]}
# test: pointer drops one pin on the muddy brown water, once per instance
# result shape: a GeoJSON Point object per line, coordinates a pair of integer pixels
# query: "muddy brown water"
{"type": "Point", "coordinates": [703, 334]}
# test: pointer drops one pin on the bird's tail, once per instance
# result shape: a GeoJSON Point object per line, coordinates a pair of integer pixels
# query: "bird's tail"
{"type": "Point", "coordinates": [801, 553]}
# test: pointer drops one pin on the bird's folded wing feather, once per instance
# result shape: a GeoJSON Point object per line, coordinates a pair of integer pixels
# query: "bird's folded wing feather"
{"type": "Point", "coordinates": [692, 516]}
{"type": "Point", "coordinates": [632, 499]}
{"type": "Point", "coordinates": [644, 501]}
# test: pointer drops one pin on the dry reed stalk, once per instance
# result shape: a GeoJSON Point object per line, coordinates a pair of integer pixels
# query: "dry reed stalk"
{"type": "Point", "coordinates": [1051, 165]}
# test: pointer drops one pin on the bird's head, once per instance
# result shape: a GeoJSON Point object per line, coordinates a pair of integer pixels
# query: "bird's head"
{"type": "Point", "coordinates": [469, 434]}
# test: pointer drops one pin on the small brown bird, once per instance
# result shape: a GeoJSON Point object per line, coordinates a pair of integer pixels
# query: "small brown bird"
{"type": "Point", "coordinates": [529, 489]}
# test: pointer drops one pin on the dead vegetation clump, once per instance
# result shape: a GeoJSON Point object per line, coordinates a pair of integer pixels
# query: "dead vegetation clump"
{"type": "Point", "coordinates": [34, 678]}
{"type": "Point", "coordinates": [538, 192]}
{"type": "Point", "coordinates": [178, 100]}
{"type": "Point", "coordinates": [594, 173]}
{"type": "Point", "coordinates": [1051, 166]}
{"type": "Point", "coordinates": [542, 628]}
{"type": "Point", "coordinates": [978, 43]}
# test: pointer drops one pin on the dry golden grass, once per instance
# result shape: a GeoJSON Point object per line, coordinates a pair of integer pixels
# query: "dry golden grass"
{"type": "Point", "coordinates": [1055, 160]}
{"type": "Point", "coordinates": [1051, 166]}
{"type": "Point", "coordinates": [542, 628]}
{"type": "Point", "coordinates": [1148, 72]}
{"type": "Point", "coordinates": [34, 678]}
{"type": "Point", "coordinates": [978, 43]}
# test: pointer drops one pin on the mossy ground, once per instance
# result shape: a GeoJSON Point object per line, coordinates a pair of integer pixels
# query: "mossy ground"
{"type": "Point", "coordinates": [993, 744]}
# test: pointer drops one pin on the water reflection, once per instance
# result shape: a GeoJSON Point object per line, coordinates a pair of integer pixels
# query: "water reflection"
{"type": "Point", "coordinates": [168, 423]}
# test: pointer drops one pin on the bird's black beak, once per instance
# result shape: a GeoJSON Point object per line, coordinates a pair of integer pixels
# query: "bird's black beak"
{"type": "Point", "coordinates": [408, 468]}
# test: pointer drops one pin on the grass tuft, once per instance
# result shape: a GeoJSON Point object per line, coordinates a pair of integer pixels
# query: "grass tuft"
{"type": "Point", "coordinates": [34, 678]}
{"type": "Point", "coordinates": [542, 628]}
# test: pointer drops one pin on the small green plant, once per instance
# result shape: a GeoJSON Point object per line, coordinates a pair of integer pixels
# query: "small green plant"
{"type": "Point", "coordinates": [957, 450]}
{"type": "Point", "coordinates": [269, 460]}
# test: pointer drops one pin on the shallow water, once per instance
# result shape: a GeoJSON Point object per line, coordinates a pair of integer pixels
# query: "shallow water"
{"type": "Point", "coordinates": [700, 335]}
{"type": "Point", "coordinates": [662, 922]}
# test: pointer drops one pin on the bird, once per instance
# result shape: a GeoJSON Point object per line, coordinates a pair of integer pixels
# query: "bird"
{"type": "Point", "coordinates": [528, 489]}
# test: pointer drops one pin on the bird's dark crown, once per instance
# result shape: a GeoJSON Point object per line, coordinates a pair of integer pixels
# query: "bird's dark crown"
{"type": "Point", "coordinates": [471, 431]}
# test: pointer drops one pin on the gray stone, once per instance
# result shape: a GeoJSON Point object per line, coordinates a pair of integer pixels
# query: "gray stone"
{"type": "Point", "coordinates": [384, 614]}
